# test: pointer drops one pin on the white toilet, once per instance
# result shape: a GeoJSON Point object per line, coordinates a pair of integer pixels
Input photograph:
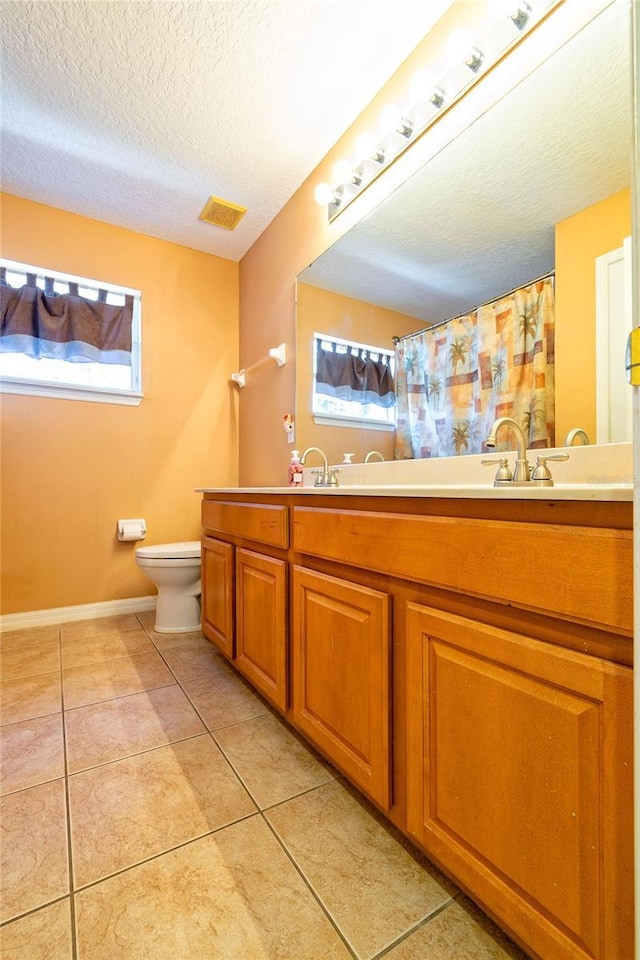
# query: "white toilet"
{"type": "Point", "coordinates": [175, 570]}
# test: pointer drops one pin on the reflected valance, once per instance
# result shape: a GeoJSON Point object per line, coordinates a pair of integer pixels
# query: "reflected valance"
{"type": "Point", "coordinates": [354, 374]}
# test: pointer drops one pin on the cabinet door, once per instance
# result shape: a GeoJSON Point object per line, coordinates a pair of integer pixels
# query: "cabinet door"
{"type": "Point", "coordinates": [519, 780]}
{"type": "Point", "coordinates": [261, 625]}
{"type": "Point", "coordinates": [341, 698]}
{"type": "Point", "coordinates": [217, 593]}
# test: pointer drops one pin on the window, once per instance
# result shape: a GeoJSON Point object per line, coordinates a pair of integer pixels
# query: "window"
{"type": "Point", "coordinates": [67, 336]}
{"type": "Point", "coordinates": [353, 383]}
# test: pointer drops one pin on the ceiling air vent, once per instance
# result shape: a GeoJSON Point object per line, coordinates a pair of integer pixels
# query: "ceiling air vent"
{"type": "Point", "coordinates": [222, 213]}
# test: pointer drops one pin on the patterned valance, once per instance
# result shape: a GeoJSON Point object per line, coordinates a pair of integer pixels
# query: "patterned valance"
{"type": "Point", "coordinates": [43, 323]}
{"type": "Point", "coordinates": [354, 374]}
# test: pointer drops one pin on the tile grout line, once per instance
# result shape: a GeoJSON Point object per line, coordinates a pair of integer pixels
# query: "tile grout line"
{"type": "Point", "coordinates": [308, 885]}
{"type": "Point", "coordinates": [205, 732]}
{"type": "Point", "coordinates": [416, 926]}
{"type": "Point", "coordinates": [33, 910]}
{"type": "Point", "coordinates": [125, 656]}
{"type": "Point", "coordinates": [212, 732]}
{"type": "Point", "coordinates": [157, 856]}
{"type": "Point", "coordinates": [260, 811]}
{"type": "Point", "coordinates": [92, 703]}
{"type": "Point", "coordinates": [263, 810]}
{"type": "Point", "coordinates": [236, 772]}
{"type": "Point", "coordinates": [209, 732]}
{"type": "Point", "coordinates": [72, 902]}
{"type": "Point", "coordinates": [69, 895]}
{"type": "Point", "coordinates": [138, 753]}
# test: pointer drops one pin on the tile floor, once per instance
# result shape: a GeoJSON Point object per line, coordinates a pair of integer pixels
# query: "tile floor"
{"type": "Point", "coordinates": [154, 807]}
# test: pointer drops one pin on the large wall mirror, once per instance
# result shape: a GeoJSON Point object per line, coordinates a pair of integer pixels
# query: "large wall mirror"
{"type": "Point", "coordinates": [539, 183]}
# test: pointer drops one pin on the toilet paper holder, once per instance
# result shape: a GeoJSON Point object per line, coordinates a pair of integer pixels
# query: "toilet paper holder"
{"type": "Point", "coordinates": [129, 530]}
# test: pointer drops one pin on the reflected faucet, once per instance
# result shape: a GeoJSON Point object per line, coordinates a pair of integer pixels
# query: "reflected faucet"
{"type": "Point", "coordinates": [372, 454]}
{"type": "Point", "coordinates": [324, 477]}
{"type": "Point", "coordinates": [576, 434]}
{"type": "Point", "coordinates": [522, 472]}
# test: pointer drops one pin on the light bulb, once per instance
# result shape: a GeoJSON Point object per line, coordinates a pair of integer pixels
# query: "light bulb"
{"type": "Point", "coordinates": [422, 86]}
{"type": "Point", "coordinates": [520, 16]}
{"type": "Point", "coordinates": [425, 90]}
{"type": "Point", "coordinates": [518, 11]}
{"type": "Point", "coordinates": [393, 121]}
{"type": "Point", "coordinates": [501, 9]}
{"type": "Point", "coordinates": [390, 118]}
{"type": "Point", "coordinates": [460, 48]}
{"type": "Point", "coordinates": [343, 172]}
{"type": "Point", "coordinates": [365, 146]}
{"type": "Point", "coordinates": [324, 194]}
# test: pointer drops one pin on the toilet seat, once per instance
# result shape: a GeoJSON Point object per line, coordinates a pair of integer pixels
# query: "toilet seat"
{"type": "Point", "coordinates": [184, 550]}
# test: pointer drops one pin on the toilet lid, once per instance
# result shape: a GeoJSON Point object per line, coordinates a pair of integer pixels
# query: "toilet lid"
{"type": "Point", "coordinates": [170, 551]}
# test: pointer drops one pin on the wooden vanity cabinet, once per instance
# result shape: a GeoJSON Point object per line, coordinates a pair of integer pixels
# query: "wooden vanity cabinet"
{"type": "Point", "coordinates": [217, 594]}
{"type": "Point", "coordinates": [245, 590]}
{"type": "Point", "coordinates": [261, 624]}
{"type": "Point", "coordinates": [482, 699]}
{"type": "Point", "coordinates": [341, 690]}
{"type": "Point", "coordinates": [519, 780]}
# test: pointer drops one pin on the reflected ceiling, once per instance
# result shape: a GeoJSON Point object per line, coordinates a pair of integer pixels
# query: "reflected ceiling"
{"type": "Point", "coordinates": [479, 218]}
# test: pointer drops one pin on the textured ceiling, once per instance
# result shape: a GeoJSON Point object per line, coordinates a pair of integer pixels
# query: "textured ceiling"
{"type": "Point", "coordinates": [135, 112]}
{"type": "Point", "coordinates": [479, 218]}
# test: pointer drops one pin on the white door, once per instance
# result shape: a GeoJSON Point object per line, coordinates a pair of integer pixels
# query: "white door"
{"type": "Point", "coordinates": [614, 295]}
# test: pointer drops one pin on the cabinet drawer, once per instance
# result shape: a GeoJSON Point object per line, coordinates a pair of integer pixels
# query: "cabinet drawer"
{"type": "Point", "coordinates": [581, 573]}
{"type": "Point", "coordinates": [262, 522]}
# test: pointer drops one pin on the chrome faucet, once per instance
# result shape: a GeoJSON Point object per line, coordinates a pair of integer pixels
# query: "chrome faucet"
{"type": "Point", "coordinates": [372, 454]}
{"type": "Point", "coordinates": [522, 472]}
{"type": "Point", "coordinates": [325, 477]}
{"type": "Point", "coordinates": [576, 434]}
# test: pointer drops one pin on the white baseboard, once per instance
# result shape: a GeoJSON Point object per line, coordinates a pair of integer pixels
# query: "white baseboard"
{"type": "Point", "coordinates": [83, 611]}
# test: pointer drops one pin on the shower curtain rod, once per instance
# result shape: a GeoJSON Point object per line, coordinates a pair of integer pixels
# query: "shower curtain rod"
{"type": "Point", "coordinates": [441, 323]}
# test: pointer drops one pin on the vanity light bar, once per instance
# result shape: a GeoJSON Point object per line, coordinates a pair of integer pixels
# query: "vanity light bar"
{"type": "Point", "coordinates": [352, 177]}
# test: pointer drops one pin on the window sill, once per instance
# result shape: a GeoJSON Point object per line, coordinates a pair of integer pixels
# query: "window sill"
{"type": "Point", "coordinates": [53, 391]}
{"type": "Point", "coordinates": [329, 420]}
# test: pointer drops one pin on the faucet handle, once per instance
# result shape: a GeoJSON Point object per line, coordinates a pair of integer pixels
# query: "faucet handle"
{"type": "Point", "coordinates": [503, 474]}
{"type": "Point", "coordinates": [321, 478]}
{"type": "Point", "coordinates": [541, 472]}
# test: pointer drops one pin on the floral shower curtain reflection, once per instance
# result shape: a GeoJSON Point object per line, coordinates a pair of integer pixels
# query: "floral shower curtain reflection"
{"type": "Point", "coordinates": [454, 381]}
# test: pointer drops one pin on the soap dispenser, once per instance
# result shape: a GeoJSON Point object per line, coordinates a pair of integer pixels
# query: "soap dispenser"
{"type": "Point", "coordinates": [296, 475]}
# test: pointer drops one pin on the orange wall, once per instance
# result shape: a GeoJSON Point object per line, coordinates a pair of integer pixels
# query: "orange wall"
{"type": "Point", "coordinates": [296, 236]}
{"type": "Point", "coordinates": [70, 469]}
{"type": "Point", "coordinates": [579, 240]}
{"type": "Point", "coordinates": [319, 311]}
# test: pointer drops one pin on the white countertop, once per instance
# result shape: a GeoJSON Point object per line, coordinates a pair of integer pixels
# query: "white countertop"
{"type": "Point", "coordinates": [576, 491]}
{"type": "Point", "coordinates": [593, 472]}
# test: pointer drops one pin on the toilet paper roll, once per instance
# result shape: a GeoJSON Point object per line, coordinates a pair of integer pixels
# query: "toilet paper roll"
{"type": "Point", "coordinates": [132, 529]}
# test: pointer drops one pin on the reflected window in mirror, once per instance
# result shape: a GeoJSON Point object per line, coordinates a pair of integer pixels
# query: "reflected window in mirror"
{"type": "Point", "coordinates": [353, 383]}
